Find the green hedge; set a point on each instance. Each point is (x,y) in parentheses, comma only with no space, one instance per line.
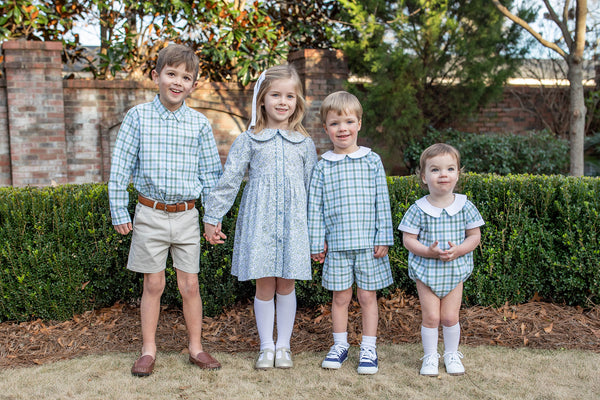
(60,256)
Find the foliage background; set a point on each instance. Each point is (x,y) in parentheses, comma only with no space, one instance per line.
(60,256)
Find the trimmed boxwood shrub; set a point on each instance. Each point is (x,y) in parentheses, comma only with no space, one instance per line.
(60,256)
(531,153)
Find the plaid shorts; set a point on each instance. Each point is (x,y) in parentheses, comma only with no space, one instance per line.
(342,268)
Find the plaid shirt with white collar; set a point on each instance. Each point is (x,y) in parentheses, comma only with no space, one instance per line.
(172,157)
(348,203)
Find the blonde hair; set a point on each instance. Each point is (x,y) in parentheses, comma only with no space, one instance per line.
(342,103)
(175,54)
(434,151)
(280,72)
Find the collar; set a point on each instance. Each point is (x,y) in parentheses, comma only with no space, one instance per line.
(331,156)
(459,202)
(268,134)
(164,113)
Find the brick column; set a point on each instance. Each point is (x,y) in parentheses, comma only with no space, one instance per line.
(323,72)
(36,126)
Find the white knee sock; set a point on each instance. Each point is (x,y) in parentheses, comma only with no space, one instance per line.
(451,338)
(286,315)
(264,312)
(429,336)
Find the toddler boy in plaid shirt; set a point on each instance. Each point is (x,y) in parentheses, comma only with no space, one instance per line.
(350,227)
(170,151)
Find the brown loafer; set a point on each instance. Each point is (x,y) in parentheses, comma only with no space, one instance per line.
(143,366)
(205,361)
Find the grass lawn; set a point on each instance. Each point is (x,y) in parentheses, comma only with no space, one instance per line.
(492,373)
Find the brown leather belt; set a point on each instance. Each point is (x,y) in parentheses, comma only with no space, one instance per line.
(176,207)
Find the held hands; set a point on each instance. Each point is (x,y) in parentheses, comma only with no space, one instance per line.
(213,234)
(320,257)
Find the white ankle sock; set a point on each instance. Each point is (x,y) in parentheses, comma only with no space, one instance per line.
(341,338)
(369,341)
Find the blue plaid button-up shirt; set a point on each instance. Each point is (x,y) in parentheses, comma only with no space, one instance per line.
(172,157)
(348,203)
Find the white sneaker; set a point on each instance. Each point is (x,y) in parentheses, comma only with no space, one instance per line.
(453,364)
(430,364)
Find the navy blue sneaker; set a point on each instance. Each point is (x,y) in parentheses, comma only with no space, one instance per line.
(367,364)
(336,356)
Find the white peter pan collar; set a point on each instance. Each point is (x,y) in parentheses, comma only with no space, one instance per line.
(459,202)
(331,156)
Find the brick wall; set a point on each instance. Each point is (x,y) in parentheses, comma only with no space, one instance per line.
(63,131)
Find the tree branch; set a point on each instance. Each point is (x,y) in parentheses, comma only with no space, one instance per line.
(561,24)
(580,30)
(528,28)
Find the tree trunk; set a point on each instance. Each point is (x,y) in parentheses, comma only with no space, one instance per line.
(577,112)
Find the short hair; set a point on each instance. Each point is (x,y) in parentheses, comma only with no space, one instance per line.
(436,150)
(341,103)
(175,54)
(275,73)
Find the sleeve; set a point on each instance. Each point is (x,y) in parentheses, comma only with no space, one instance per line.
(474,218)
(309,162)
(411,221)
(384,234)
(209,163)
(222,196)
(123,163)
(316,218)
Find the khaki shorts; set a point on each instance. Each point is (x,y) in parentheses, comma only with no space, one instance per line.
(156,232)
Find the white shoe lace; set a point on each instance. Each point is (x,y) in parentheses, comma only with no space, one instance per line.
(336,351)
(453,358)
(367,354)
(430,360)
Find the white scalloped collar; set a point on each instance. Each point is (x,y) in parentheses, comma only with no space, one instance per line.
(331,156)
(459,202)
(267,134)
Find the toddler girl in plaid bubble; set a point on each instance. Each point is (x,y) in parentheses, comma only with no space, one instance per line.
(440,231)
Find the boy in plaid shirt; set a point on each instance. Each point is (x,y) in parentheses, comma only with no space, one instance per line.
(350,227)
(169,150)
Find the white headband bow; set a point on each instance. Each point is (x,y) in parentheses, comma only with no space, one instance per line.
(260,80)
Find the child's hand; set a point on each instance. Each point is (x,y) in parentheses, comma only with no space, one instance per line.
(435,251)
(320,257)
(380,251)
(213,234)
(124,229)
(451,253)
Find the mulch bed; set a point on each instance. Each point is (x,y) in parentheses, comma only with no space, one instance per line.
(117,329)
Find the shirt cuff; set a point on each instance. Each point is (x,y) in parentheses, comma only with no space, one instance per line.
(408,229)
(211,220)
